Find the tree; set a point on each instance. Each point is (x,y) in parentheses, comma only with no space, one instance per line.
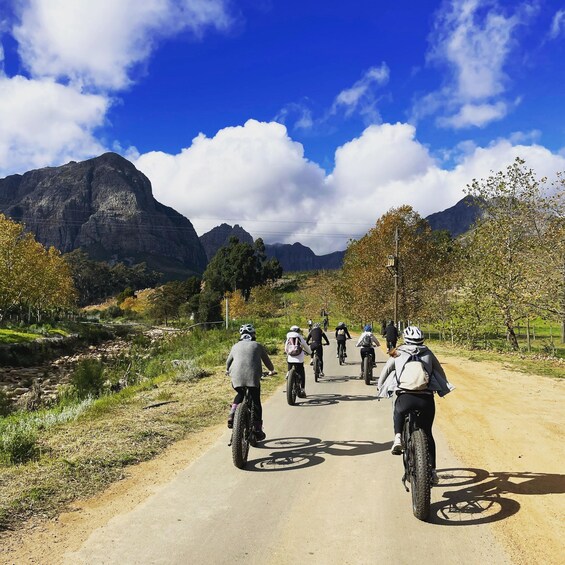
(504,245)
(240,266)
(366,287)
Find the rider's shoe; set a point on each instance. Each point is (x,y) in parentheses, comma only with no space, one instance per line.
(321,374)
(260,435)
(301,393)
(231,416)
(434,478)
(311,362)
(397,445)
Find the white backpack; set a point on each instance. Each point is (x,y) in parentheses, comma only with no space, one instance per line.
(414,375)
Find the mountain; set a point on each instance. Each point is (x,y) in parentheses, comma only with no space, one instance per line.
(458,219)
(295,257)
(298,257)
(106,207)
(220,235)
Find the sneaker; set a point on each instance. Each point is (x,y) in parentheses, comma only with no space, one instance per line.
(397,445)
(260,435)
(230,421)
(321,374)
(301,393)
(312,363)
(434,478)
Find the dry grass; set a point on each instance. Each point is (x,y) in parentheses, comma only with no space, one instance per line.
(81,458)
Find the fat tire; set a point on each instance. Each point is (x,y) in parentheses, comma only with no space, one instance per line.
(367,373)
(340,354)
(420,474)
(291,387)
(241,431)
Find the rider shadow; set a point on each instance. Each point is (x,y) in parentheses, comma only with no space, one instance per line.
(302,452)
(329,399)
(481,499)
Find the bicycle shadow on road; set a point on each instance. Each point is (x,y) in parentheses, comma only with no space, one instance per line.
(330,399)
(301,452)
(481,499)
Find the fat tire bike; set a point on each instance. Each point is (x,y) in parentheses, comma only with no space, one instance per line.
(341,352)
(367,369)
(243,433)
(292,386)
(317,364)
(417,465)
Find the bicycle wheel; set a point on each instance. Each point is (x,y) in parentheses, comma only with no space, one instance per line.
(367,369)
(291,386)
(420,476)
(316,368)
(340,354)
(241,430)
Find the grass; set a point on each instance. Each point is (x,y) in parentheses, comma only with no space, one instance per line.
(79,449)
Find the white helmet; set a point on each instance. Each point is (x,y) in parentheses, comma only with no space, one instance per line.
(294,329)
(247,329)
(413,335)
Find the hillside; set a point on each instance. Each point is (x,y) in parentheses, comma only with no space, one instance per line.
(106,207)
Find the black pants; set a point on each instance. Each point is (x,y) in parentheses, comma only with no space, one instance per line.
(426,405)
(391,343)
(367,351)
(342,342)
(299,368)
(255,393)
(320,351)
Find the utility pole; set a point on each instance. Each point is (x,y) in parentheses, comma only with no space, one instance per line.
(393,266)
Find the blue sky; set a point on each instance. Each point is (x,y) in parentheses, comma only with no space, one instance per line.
(301,121)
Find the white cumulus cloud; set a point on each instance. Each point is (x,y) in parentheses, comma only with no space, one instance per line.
(99,43)
(43,122)
(257,176)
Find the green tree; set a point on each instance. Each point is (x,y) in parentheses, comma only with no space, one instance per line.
(504,245)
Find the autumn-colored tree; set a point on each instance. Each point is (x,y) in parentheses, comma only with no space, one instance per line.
(366,287)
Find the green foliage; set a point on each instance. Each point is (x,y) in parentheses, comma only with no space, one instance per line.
(88,378)
(18,444)
(240,266)
(5,404)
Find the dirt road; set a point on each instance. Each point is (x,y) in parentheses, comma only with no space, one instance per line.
(325,489)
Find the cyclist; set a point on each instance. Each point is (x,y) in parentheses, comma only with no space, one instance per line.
(341,335)
(295,346)
(391,334)
(366,342)
(243,365)
(406,400)
(314,340)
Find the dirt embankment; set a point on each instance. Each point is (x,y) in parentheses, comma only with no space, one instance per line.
(506,425)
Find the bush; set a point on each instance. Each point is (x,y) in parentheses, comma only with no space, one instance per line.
(88,378)
(5,404)
(18,445)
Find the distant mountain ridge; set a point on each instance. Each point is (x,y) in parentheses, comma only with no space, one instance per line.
(106,207)
(292,257)
(457,219)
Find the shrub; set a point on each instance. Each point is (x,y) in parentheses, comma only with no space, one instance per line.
(5,404)
(18,444)
(88,378)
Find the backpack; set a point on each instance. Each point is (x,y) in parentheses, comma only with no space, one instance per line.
(414,375)
(366,341)
(341,332)
(293,346)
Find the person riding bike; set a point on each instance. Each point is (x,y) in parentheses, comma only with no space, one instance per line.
(243,365)
(422,399)
(391,334)
(366,342)
(314,340)
(341,335)
(295,346)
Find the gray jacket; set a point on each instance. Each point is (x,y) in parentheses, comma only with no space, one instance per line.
(244,363)
(388,383)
